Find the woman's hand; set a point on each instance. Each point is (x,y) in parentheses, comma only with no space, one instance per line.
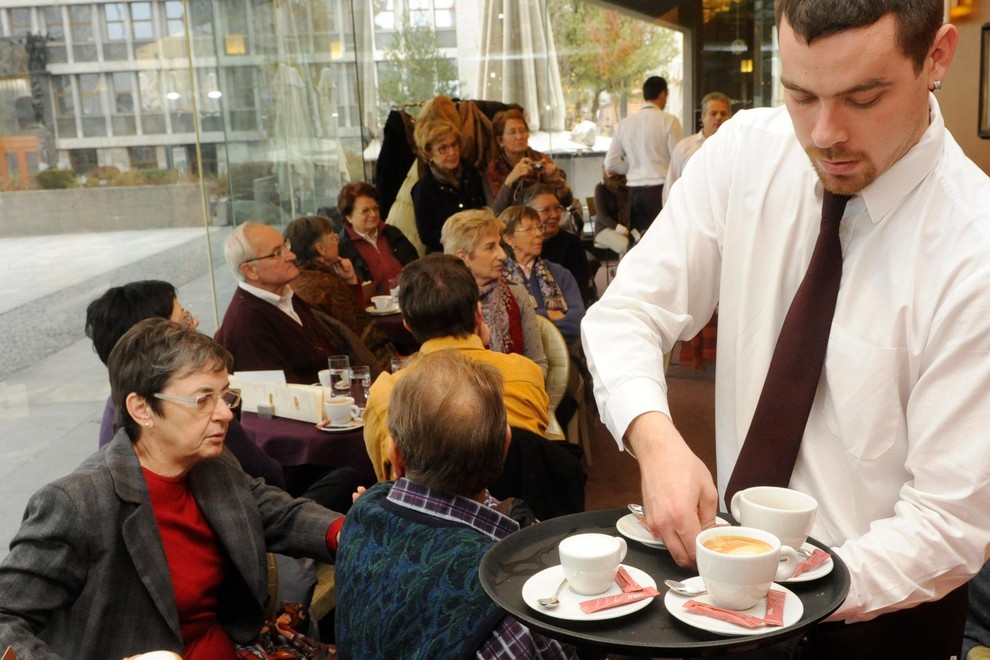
(522,169)
(361,490)
(344,269)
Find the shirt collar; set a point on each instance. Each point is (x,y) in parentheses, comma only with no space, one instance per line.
(481,517)
(451,342)
(268,296)
(888,191)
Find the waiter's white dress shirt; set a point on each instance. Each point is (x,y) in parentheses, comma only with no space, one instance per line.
(897,446)
(642,144)
(679,158)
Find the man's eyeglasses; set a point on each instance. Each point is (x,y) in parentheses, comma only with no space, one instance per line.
(204,403)
(550,210)
(278,253)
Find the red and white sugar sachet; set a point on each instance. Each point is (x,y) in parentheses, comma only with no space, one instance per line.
(817,558)
(631,592)
(774,615)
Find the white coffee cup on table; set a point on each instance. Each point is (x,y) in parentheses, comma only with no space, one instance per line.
(341,410)
(590,561)
(787,514)
(383,303)
(738,564)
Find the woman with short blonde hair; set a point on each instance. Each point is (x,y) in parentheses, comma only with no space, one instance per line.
(474,237)
(449,185)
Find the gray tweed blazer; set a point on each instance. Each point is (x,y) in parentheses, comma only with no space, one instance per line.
(86,576)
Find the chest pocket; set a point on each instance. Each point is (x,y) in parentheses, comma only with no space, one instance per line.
(862,403)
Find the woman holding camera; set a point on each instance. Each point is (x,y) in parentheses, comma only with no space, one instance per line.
(517,166)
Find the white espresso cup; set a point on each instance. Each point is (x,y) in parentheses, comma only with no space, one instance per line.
(341,410)
(383,303)
(787,514)
(590,561)
(738,564)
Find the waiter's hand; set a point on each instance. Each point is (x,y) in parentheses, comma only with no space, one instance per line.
(679,494)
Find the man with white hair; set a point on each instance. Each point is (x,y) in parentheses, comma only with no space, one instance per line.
(266,326)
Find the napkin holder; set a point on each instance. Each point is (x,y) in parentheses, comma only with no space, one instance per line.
(300,402)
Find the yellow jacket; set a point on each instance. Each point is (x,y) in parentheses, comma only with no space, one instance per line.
(527,405)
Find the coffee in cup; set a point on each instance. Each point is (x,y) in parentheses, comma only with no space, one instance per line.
(341,410)
(738,564)
(787,514)
(590,561)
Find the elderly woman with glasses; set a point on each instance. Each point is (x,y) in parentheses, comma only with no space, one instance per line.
(158,541)
(516,165)
(553,289)
(474,237)
(449,185)
(377,250)
(560,246)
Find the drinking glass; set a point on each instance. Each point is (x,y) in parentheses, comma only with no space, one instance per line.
(393,287)
(340,375)
(360,384)
(397,362)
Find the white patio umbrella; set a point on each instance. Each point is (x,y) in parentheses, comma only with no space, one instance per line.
(519,61)
(294,135)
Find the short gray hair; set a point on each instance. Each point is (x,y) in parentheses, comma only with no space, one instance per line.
(463,230)
(238,249)
(447,418)
(715,96)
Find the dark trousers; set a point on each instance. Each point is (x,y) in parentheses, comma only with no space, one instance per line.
(645,203)
(930,631)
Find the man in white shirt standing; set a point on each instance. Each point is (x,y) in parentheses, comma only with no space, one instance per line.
(641,149)
(894,448)
(716,108)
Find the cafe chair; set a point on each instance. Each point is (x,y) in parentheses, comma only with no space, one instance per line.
(324,597)
(563,378)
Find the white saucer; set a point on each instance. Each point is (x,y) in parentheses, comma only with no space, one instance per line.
(374,311)
(819,571)
(793,609)
(630,527)
(546,581)
(350,426)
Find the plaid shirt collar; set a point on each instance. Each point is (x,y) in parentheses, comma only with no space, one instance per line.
(482,517)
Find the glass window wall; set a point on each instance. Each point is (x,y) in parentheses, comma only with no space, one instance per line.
(157,132)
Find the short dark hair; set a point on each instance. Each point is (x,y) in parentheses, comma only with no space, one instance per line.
(917,21)
(116,311)
(304,233)
(530,193)
(438,297)
(349,194)
(149,356)
(654,87)
(447,418)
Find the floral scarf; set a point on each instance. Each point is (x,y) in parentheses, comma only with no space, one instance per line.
(501,314)
(553,297)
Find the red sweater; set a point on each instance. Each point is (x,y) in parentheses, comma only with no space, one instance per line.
(196,565)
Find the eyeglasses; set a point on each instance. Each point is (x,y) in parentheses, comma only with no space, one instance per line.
(278,253)
(445,148)
(550,210)
(536,230)
(204,403)
(516,131)
(374,210)
(333,238)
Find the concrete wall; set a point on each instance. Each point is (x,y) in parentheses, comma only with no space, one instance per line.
(41,212)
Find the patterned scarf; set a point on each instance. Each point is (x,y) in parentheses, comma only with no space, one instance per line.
(501,314)
(553,297)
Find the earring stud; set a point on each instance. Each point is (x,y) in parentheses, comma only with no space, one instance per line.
(936,86)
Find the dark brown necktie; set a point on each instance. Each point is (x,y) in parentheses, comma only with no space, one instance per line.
(771,447)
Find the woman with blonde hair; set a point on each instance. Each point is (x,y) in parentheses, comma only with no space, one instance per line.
(449,185)
(474,237)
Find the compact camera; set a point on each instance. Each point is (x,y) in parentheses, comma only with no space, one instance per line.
(538,165)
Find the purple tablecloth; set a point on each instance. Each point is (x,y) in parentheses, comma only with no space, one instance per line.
(300,443)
